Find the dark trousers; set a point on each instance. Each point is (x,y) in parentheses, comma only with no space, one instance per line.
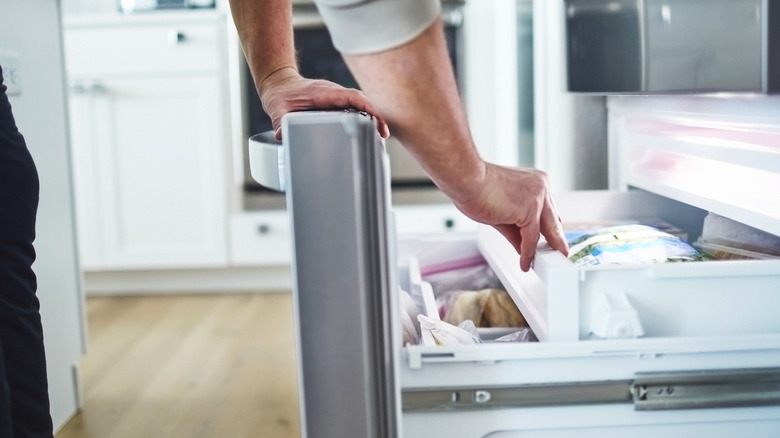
(24,397)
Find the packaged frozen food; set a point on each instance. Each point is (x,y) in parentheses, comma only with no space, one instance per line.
(726,239)
(467,293)
(486,308)
(445,333)
(627,244)
(410,325)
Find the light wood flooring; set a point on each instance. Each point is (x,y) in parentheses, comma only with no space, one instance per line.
(189,366)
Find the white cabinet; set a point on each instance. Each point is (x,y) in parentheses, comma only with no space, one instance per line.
(260,238)
(148,128)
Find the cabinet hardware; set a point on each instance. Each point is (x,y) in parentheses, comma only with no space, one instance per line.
(176,37)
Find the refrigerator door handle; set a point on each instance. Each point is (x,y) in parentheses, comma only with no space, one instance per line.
(266,161)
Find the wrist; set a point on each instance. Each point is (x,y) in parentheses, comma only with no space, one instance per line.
(467,184)
(275,76)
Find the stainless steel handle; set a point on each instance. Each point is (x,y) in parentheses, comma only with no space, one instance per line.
(266,161)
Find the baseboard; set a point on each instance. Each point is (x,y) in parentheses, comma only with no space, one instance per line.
(188,281)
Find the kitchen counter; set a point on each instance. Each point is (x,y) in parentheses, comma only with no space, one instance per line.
(102,19)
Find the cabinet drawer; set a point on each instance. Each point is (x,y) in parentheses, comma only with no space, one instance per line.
(131,50)
(260,238)
(424,219)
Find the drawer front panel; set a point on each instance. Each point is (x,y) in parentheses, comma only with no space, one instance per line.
(135,50)
(261,238)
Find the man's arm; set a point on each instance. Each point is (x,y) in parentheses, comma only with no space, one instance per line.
(266,33)
(413,85)
(414,88)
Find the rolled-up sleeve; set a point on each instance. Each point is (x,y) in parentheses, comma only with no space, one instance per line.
(369,26)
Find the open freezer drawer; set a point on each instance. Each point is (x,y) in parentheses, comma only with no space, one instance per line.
(565,303)
(357,379)
(573,384)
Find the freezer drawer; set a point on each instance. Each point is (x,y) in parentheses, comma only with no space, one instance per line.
(565,303)
(585,386)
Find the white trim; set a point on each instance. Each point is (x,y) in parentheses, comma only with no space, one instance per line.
(186,281)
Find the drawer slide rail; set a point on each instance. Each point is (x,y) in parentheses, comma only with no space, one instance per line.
(647,391)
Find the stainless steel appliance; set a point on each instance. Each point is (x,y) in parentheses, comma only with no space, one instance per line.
(706,361)
(650,46)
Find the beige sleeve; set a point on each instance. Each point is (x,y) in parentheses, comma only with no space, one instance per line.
(370,26)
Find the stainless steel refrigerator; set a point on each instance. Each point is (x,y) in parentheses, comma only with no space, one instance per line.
(678,349)
(684,349)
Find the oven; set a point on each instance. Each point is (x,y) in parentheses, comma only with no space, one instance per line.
(318,59)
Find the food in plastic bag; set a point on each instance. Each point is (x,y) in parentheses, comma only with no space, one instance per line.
(486,308)
(445,333)
(726,239)
(523,335)
(473,277)
(410,326)
(627,244)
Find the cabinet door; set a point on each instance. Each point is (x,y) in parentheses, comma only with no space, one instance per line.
(159,183)
(85,183)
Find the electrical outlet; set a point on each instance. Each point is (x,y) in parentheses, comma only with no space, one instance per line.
(11,73)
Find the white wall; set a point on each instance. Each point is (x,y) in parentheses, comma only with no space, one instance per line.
(570,129)
(31,29)
(490,78)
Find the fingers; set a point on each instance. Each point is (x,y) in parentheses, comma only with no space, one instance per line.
(350,98)
(306,94)
(552,229)
(525,237)
(523,240)
(529,236)
(359,100)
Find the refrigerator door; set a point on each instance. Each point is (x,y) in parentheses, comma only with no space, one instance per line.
(335,177)
(357,379)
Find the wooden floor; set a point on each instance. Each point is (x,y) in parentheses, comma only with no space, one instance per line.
(189,366)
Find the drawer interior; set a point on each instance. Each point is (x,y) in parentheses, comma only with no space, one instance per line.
(562,302)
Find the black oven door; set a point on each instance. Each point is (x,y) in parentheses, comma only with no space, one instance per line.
(318,59)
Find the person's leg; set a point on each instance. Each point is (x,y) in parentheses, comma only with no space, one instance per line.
(5,400)
(21,334)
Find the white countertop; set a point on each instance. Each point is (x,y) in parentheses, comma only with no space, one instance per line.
(102,19)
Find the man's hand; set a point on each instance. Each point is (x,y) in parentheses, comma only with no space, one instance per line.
(286,91)
(517,203)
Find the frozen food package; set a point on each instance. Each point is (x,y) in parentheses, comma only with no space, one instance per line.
(476,275)
(445,333)
(574,229)
(627,244)
(410,326)
(726,239)
(486,308)
(522,335)
(467,293)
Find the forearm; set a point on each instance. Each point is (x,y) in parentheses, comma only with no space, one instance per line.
(266,34)
(414,88)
